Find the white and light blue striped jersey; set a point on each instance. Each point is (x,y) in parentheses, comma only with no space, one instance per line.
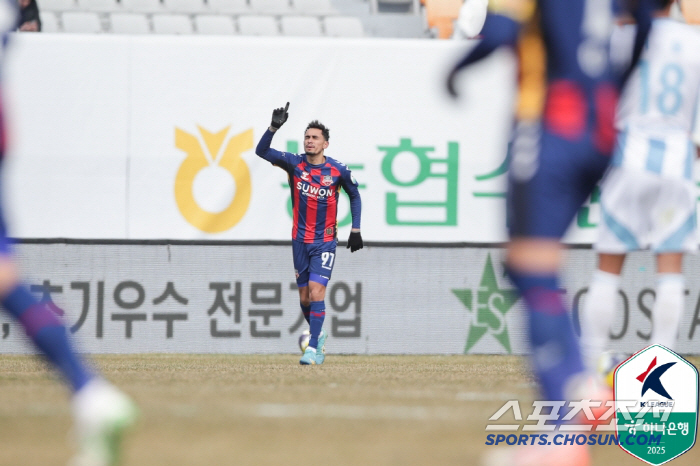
(657,114)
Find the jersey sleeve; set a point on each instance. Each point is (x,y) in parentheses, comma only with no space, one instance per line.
(349,184)
(498,30)
(285,160)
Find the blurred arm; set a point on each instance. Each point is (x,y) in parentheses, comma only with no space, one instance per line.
(498,31)
(641,11)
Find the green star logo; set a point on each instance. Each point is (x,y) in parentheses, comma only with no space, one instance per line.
(492,305)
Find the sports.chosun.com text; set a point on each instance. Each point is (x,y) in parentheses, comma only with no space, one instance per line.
(571,439)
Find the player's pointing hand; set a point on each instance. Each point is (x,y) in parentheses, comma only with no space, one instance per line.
(279,116)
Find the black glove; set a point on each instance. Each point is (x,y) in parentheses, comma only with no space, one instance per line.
(279,116)
(355,241)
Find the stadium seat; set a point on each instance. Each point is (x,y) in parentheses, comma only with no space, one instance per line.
(49,21)
(270,7)
(228,6)
(142,6)
(257,25)
(359,8)
(343,26)
(396,6)
(172,24)
(81,21)
(97,5)
(441,15)
(129,23)
(313,7)
(184,6)
(57,5)
(396,25)
(214,24)
(301,26)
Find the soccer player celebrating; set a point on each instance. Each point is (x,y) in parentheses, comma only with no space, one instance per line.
(315,181)
(649,196)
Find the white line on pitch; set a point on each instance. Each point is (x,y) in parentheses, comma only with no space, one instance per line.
(409,413)
(481,396)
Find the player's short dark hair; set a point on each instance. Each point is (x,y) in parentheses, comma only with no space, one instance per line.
(318,125)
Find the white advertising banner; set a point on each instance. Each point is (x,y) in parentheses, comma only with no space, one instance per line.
(153,137)
(381,300)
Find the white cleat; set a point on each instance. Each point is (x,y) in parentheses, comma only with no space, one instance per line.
(101,414)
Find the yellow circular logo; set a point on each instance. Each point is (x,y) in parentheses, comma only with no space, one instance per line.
(229,159)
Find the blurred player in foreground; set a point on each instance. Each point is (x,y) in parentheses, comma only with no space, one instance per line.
(561,147)
(101,412)
(649,195)
(315,181)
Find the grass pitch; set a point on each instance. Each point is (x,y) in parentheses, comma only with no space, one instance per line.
(268,410)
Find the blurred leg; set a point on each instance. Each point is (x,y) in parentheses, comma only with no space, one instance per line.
(42,326)
(598,311)
(670,302)
(532,266)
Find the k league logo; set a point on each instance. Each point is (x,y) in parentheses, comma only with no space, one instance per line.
(651,378)
(661,389)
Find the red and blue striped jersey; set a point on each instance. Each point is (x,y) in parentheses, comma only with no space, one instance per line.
(315,191)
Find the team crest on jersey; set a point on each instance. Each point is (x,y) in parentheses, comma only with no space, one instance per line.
(305,176)
(327,180)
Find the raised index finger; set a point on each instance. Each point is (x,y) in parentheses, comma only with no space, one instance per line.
(286,107)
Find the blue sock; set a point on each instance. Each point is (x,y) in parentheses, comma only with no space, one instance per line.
(306,310)
(48,334)
(556,356)
(317,315)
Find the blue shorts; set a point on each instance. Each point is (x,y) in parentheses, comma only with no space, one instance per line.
(313,261)
(546,190)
